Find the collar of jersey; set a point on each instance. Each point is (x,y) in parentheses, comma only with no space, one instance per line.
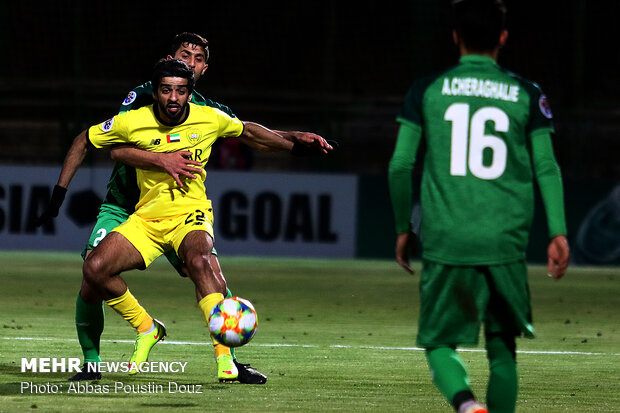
(476,58)
(160,120)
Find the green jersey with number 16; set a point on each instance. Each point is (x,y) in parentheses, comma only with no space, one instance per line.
(477,188)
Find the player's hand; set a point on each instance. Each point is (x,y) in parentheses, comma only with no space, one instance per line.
(558,254)
(177,164)
(405,248)
(306,144)
(52,208)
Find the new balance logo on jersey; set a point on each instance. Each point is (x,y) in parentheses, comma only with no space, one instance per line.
(155,141)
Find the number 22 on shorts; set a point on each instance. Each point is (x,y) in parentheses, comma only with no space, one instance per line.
(196,218)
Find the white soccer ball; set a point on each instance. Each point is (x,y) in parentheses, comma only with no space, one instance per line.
(233,321)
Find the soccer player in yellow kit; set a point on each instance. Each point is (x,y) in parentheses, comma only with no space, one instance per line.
(168,216)
(122,196)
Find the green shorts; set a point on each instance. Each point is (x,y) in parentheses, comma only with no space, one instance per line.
(456,300)
(111,216)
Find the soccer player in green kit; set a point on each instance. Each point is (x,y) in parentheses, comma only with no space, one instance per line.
(122,196)
(488,135)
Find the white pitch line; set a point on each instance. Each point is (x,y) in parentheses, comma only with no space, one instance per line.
(190,343)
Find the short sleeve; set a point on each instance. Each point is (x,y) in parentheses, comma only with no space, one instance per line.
(109,132)
(228,126)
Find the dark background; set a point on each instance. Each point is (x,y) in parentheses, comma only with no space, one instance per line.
(339,69)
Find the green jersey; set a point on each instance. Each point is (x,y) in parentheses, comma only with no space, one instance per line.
(123,190)
(479,123)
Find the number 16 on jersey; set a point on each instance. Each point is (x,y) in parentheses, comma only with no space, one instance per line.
(468,141)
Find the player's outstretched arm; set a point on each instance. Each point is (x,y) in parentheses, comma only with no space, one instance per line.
(558,254)
(303,143)
(175,164)
(257,146)
(72,162)
(307,143)
(256,134)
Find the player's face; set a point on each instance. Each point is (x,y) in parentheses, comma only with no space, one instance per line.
(172,97)
(194,56)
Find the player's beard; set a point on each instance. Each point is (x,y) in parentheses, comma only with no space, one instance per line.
(172,116)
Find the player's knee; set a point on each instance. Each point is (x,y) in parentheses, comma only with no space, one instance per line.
(198,264)
(202,272)
(92,270)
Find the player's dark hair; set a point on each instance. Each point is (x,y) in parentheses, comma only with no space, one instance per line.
(479,23)
(191,38)
(172,68)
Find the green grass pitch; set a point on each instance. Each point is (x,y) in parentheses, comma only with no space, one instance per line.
(334,335)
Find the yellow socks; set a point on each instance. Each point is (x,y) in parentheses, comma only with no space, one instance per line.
(206,305)
(129,308)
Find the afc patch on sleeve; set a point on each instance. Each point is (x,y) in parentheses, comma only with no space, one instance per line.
(545,109)
(107,125)
(131,97)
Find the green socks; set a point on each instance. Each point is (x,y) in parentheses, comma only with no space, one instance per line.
(89,325)
(450,375)
(503,380)
(448,371)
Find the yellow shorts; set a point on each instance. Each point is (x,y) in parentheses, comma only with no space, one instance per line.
(154,237)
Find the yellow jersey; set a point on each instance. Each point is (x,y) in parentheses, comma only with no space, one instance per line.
(160,196)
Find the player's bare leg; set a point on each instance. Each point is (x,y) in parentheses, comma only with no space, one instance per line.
(112,256)
(195,251)
(103,265)
(89,293)
(247,374)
